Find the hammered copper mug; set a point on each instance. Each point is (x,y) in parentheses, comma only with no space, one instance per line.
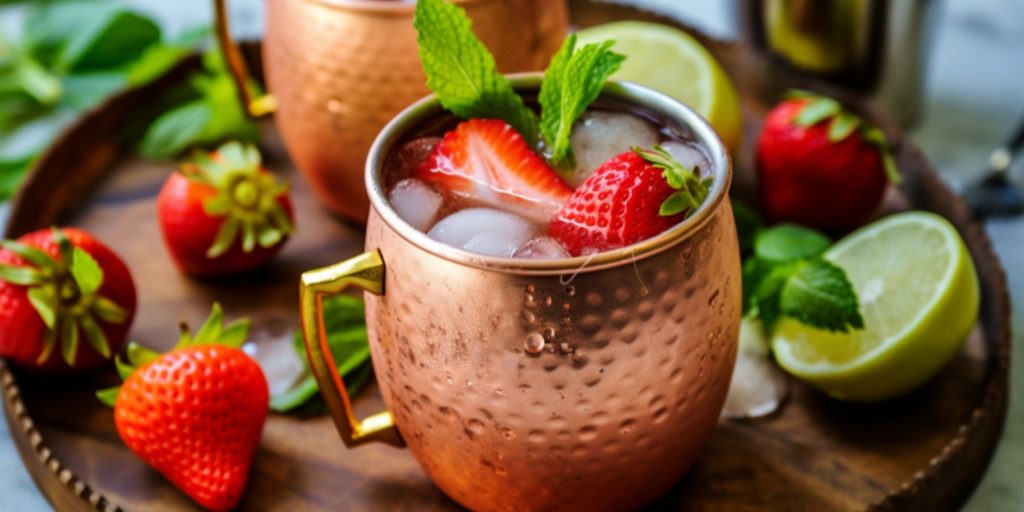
(588,383)
(339,70)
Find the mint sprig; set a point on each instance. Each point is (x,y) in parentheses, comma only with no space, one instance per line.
(572,81)
(787,276)
(462,72)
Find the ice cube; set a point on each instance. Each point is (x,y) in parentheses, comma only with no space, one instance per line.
(483,230)
(598,136)
(688,154)
(271,345)
(541,248)
(758,386)
(416,202)
(408,157)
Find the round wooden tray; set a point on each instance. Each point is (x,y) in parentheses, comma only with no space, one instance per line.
(924,451)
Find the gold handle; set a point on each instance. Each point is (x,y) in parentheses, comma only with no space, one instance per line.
(255,107)
(367,272)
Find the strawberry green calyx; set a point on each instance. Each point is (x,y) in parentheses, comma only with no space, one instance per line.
(212,332)
(691,190)
(842,124)
(64,291)
(247,198)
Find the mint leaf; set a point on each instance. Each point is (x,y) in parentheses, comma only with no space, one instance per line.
(748,225)
(572,81)
(345,324)
(788,242)
(87,273)
(108,42)
(462,72)
(819,294)
(767,293)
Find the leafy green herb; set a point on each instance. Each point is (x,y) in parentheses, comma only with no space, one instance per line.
(748,224)
(787,276)
(205,112)
(70,56)
(691,190)
(572,81)
(462,72)
(345,324)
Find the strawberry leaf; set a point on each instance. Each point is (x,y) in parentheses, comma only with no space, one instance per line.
(109,395)
(225,237)
(33,255)
(86,272)
(64,247)
(816,110)
(44,301)
(209,332)
(69,339)
(692,190)
(107,311)
(236,333)
(842,126)
(124,370)
(139,355)
(94,336)
(49,342)
(21,276)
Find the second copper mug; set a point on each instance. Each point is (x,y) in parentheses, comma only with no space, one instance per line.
(588,383)
(339,70)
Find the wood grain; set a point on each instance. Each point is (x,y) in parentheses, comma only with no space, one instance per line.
(924,451)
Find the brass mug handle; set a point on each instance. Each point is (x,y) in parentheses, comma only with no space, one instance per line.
(255,107)
(365,271)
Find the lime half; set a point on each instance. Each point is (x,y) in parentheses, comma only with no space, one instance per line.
(918,294)
(671,61)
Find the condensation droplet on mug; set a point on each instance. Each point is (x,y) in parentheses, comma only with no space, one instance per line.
(570,290)
(534,343)
(548,333)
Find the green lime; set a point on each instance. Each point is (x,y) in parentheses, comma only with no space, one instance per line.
(918,294)
(671,61)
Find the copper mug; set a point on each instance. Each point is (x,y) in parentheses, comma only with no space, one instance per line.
(588,383)
(339,70)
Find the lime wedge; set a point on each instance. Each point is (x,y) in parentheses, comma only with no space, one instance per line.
(670,61)
(918,294)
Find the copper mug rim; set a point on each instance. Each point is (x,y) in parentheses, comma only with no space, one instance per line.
(663,104)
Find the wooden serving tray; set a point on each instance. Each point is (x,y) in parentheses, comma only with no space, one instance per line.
(925,451)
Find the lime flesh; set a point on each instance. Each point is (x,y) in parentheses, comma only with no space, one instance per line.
(669,60)
(918,294)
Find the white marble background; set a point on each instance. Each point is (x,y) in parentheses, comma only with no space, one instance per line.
(974,97)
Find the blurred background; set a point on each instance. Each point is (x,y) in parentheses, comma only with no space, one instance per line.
(972,99)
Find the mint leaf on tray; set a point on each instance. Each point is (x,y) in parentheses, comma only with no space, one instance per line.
(345,324)
(787,276)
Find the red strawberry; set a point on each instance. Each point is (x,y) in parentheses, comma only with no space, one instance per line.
(195,414)
(821,166)
(487,161)
(66,300)
(632,197)
(225,213)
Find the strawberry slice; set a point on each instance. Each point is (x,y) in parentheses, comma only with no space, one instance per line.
(631,197)
(487,161)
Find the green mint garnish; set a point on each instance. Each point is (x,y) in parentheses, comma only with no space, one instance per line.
(842,124)
(787,276)
(691,190)
(462,72)
(573,80)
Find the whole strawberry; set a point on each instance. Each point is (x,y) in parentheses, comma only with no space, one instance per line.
(66,300)
(820,165)
(196,413)
(632,197)
(224,213)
